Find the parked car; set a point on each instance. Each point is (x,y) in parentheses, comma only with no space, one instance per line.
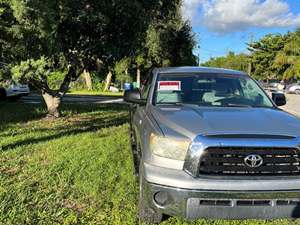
(272,87)
(210,143)
(294,88)
(17,90)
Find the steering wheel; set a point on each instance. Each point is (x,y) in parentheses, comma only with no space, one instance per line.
(235,100)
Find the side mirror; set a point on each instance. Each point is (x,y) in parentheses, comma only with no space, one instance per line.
(134,96)
(279,98)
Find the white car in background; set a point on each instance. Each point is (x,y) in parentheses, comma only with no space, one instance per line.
(294,88)
(17,90)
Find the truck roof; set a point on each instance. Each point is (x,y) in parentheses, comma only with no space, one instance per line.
(195,69)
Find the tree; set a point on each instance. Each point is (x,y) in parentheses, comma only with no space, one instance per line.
(140,60)
(274,56)
(7,20)
(171,44)
(4,73)
(74,34)
(121,70)
(231,61)
(288,59)
(38,72)
(263,54)
(108,80)
(169,40)
(88,79)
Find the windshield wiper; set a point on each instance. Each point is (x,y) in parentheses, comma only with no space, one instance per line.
(169,103)
(238,105)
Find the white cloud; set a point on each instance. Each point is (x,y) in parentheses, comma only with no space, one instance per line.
(191,8)
(225,16)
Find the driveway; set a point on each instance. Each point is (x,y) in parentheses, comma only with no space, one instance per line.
(293,104)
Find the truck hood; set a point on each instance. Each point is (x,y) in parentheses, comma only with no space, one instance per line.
(190,121)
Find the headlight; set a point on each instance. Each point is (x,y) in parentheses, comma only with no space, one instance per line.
(168,147)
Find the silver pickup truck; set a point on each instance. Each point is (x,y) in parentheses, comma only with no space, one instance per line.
(210,143)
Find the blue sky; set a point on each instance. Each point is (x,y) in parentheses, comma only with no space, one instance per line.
(227,25)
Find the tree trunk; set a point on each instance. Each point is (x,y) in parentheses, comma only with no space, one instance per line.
(52,103)
(53,98)
(249,68)
(123,80)
(108,81)
(88,80)
(138,76)
(99,65)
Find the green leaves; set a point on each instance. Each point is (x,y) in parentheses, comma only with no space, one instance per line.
(274,56)
(231,61)
(171,43)
(121,70)
(264,54)
(289,57)
(31,69)
(277,56)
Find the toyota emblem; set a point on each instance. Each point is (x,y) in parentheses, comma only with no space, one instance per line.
(253,161)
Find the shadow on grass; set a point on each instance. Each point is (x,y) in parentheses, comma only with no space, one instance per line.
(90,118)
(18,112)
(88,127)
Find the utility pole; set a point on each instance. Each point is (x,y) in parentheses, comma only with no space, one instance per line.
(250,63)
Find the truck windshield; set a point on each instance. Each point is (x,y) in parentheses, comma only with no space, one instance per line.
(215,90)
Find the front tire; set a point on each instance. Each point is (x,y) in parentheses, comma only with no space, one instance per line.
(136,153)
(146,214)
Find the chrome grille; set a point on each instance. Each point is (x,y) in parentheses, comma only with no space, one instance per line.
(230,161)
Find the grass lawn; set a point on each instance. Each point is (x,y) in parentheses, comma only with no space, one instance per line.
(75,170)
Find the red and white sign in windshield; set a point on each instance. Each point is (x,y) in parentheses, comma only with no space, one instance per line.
(169,86)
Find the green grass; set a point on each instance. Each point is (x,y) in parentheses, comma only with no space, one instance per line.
(95,93)
(75,170)
(70,171)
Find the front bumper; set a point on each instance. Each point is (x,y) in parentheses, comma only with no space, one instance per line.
(194,204)
(220,202)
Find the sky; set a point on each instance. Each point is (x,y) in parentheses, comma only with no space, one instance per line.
(227,25)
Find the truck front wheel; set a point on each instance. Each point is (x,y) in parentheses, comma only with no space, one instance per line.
(136,153)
